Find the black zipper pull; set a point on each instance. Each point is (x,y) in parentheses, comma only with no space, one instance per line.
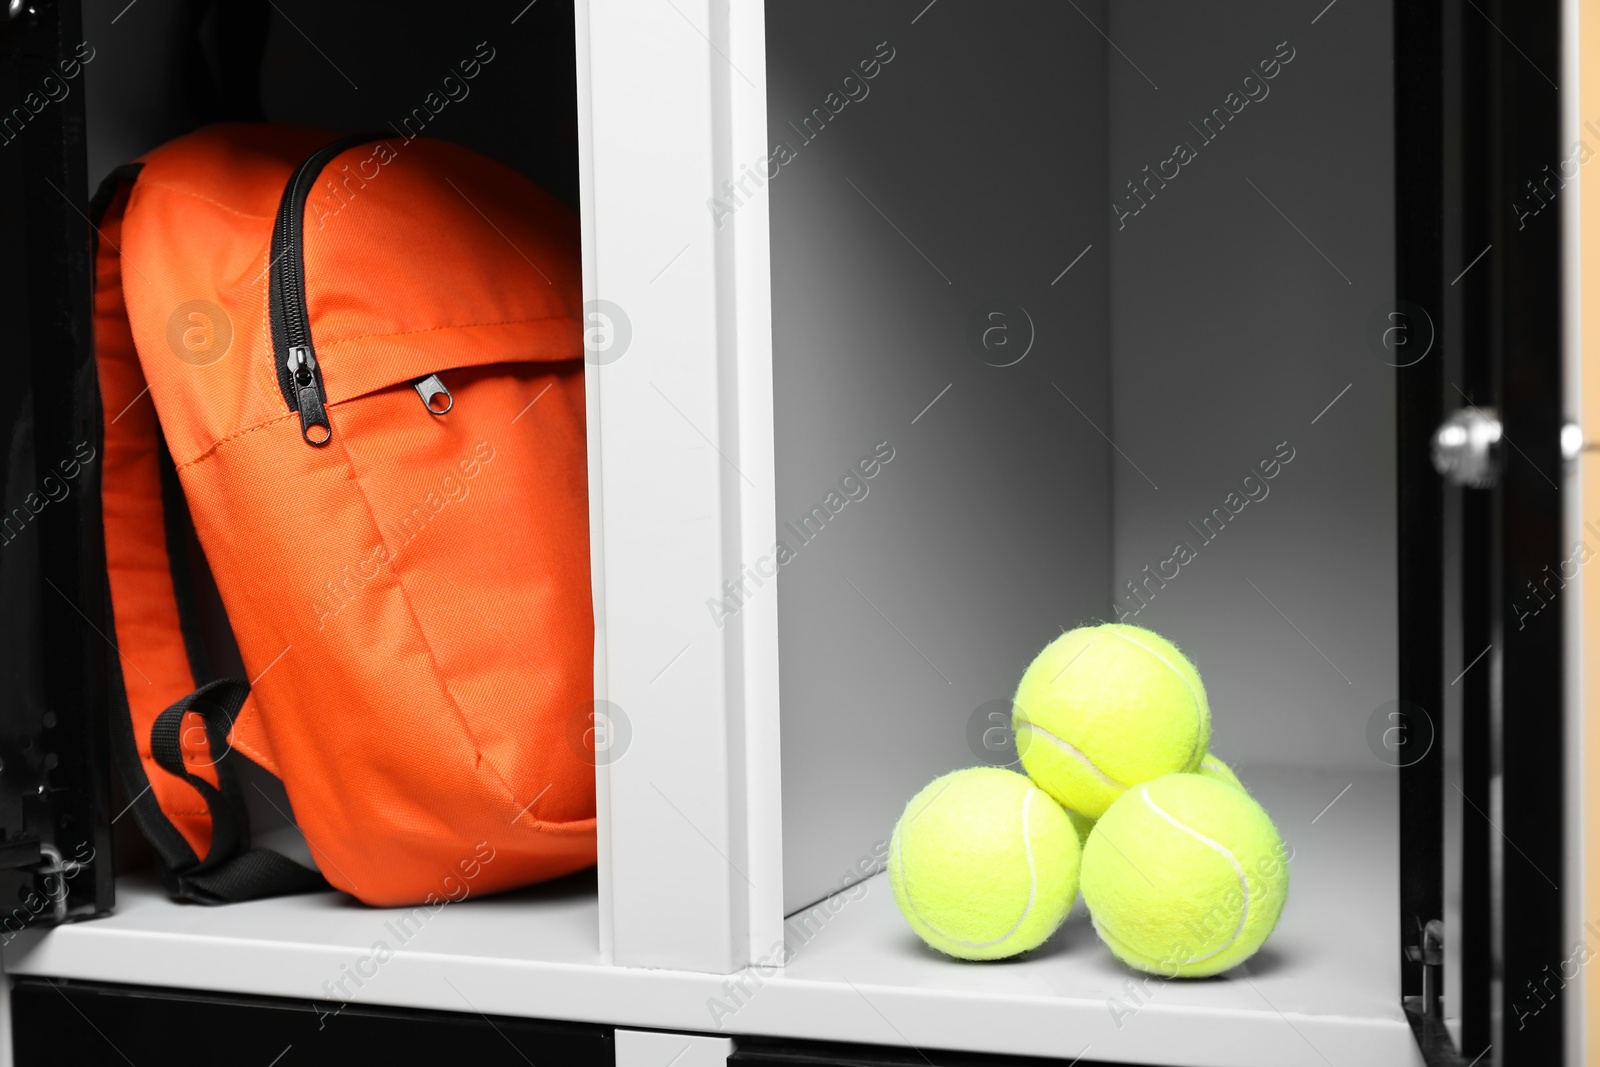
(314,426)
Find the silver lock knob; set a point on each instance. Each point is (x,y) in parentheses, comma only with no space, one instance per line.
(1572,441)
(1464,447)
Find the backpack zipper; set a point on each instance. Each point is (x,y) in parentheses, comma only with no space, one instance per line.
(294,360)
(293,355)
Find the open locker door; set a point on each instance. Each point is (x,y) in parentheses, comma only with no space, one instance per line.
(55,854)
(1483,486)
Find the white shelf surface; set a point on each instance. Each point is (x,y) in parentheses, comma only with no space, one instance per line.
(1323,991)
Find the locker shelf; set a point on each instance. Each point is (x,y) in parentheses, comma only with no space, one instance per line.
(1323,991)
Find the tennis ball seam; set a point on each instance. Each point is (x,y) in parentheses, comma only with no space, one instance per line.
(1033,880)
(1117,945)
(1195,697)
(1238,869)
(1077,753)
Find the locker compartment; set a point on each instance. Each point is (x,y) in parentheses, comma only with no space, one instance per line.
(500,83)
(1064,301)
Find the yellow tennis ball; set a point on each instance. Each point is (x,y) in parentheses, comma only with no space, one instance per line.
(1212,767)
(1104,708)
(1185,876)
(983,865)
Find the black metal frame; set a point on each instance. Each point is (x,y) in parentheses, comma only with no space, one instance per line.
(1522,324)
(1472,93)
(1419,270)
(54,789)
(786,1052)
(179,1028)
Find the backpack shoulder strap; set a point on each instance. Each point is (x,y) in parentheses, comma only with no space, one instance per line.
(170,738)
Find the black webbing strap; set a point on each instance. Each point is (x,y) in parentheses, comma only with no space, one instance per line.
(179,530)
(252,875)
(231,871)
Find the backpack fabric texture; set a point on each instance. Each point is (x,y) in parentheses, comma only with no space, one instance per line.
(356,368)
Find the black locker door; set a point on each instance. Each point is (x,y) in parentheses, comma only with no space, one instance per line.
(55,854)
(1479,213)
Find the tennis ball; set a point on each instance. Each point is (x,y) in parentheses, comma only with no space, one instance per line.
(1185,876)
(1212,767)
(983,865)
(1104,708)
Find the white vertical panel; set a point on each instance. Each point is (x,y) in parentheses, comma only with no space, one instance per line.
(748,240)
(602,782)
(647,1048)
(678,466)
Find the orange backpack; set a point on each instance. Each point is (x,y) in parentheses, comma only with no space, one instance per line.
(366,362)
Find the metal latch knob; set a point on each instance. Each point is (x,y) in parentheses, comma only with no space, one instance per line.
(1465,447)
